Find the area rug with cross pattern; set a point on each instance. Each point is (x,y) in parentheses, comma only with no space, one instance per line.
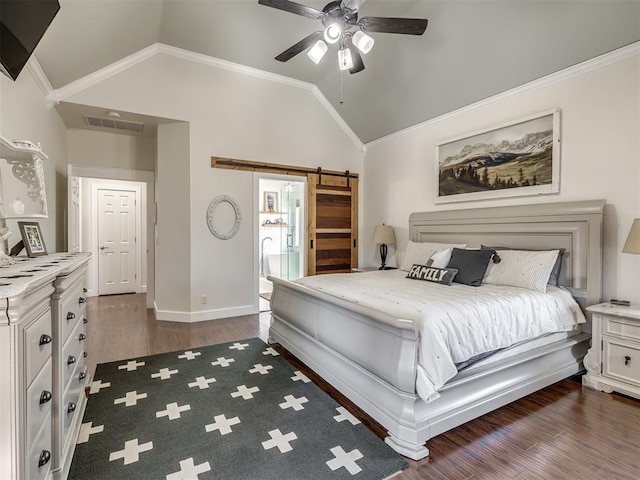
(229,411)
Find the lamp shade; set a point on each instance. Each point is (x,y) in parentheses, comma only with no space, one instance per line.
(384,234)
(632,245)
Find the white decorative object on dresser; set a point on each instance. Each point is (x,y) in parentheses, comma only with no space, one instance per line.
(613,361)
(36,433)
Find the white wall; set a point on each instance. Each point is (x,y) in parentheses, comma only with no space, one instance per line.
(24,115)
(230,114)
(103,149)
(600,158)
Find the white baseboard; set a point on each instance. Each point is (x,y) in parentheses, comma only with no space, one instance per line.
(203,315)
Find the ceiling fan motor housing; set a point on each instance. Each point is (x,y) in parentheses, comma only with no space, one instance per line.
(335,14)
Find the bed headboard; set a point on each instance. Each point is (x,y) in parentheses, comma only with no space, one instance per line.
(574,226)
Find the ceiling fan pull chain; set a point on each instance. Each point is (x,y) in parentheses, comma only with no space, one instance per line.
(341,87)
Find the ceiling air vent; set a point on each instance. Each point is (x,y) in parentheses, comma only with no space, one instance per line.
(117,124)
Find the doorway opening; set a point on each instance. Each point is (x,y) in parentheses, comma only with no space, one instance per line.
(281,231)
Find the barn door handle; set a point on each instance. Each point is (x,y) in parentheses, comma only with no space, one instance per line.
(311,245)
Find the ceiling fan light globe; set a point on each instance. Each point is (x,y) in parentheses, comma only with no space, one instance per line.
(332,33)
(345,60)
(316,52)
(363,42)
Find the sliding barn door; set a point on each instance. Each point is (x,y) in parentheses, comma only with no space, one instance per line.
(332,224)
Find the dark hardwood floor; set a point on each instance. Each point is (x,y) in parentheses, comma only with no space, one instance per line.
(565,431)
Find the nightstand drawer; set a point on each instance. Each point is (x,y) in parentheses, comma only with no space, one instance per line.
(621,327)
(621,360)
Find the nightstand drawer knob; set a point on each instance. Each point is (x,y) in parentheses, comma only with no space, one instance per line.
(82,300)
(44,339)
(82,376)
(85,320)
(71,316)
(81,337)
(71,360)
(71,407)
(627,360)
(45,397)
(45,456)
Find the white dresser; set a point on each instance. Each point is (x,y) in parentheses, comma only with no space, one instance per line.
(42,365)
(613,361)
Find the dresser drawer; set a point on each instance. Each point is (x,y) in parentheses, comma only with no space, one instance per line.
(621,327)
(71,354)
(70,405)
(39,400)
(37,343)
(621,360)
(40,456)
(72,308)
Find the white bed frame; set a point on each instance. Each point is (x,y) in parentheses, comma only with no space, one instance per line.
(370,356)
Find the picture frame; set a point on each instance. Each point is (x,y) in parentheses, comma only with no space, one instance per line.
(270,202)
(32,238)
(518,158)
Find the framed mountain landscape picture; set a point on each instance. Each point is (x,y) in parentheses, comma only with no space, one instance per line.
(519,158)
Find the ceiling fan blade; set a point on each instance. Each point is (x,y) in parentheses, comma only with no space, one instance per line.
(358,64)
(406,26)
(351,6)
(293,7)
(301,46)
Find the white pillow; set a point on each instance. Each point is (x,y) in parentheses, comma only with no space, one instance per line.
(420,252)
(522,268)
(440,259)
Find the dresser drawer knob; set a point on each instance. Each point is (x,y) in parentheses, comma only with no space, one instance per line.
(85,320)
(82,300)
(45,456)
(45,397)
(71,315)
(84,354)
(81,337)
(44,339)
(82,376)
(71,407)
(627,360)
(84,290)
(71,360)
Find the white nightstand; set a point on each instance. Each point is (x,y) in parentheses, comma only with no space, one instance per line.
(613,361)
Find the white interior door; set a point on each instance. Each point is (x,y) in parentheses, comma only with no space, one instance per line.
(116,241)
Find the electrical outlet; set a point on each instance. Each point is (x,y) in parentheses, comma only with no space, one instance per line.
(203,299)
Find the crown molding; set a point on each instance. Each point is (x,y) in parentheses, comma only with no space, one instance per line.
(39,76)
(595,63)
(58,95)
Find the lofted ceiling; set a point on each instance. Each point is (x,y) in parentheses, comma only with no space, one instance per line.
(471,50)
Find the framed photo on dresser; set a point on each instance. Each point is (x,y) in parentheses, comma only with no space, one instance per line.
(32,238)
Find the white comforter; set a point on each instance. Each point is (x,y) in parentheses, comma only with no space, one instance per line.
(455,322)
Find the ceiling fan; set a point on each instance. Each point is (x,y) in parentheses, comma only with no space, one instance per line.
(340,19)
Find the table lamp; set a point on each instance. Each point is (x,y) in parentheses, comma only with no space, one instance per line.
(383,234)
(632,245)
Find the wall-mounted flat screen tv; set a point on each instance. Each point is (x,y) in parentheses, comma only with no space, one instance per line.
(22,25)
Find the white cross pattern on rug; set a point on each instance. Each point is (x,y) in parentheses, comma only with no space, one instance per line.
(345,415)
(164,373)
(189,355)
(346,460)
(261,369)
(271,351)
(189,471)
(222,423)
(173,411)
(245,392)
(293,402)
(202,382)
(98,385)
(238,346)
(223,362)
(300,376)
(130,366)
(86,430)
(279,440)
(130,399)
(131,452)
